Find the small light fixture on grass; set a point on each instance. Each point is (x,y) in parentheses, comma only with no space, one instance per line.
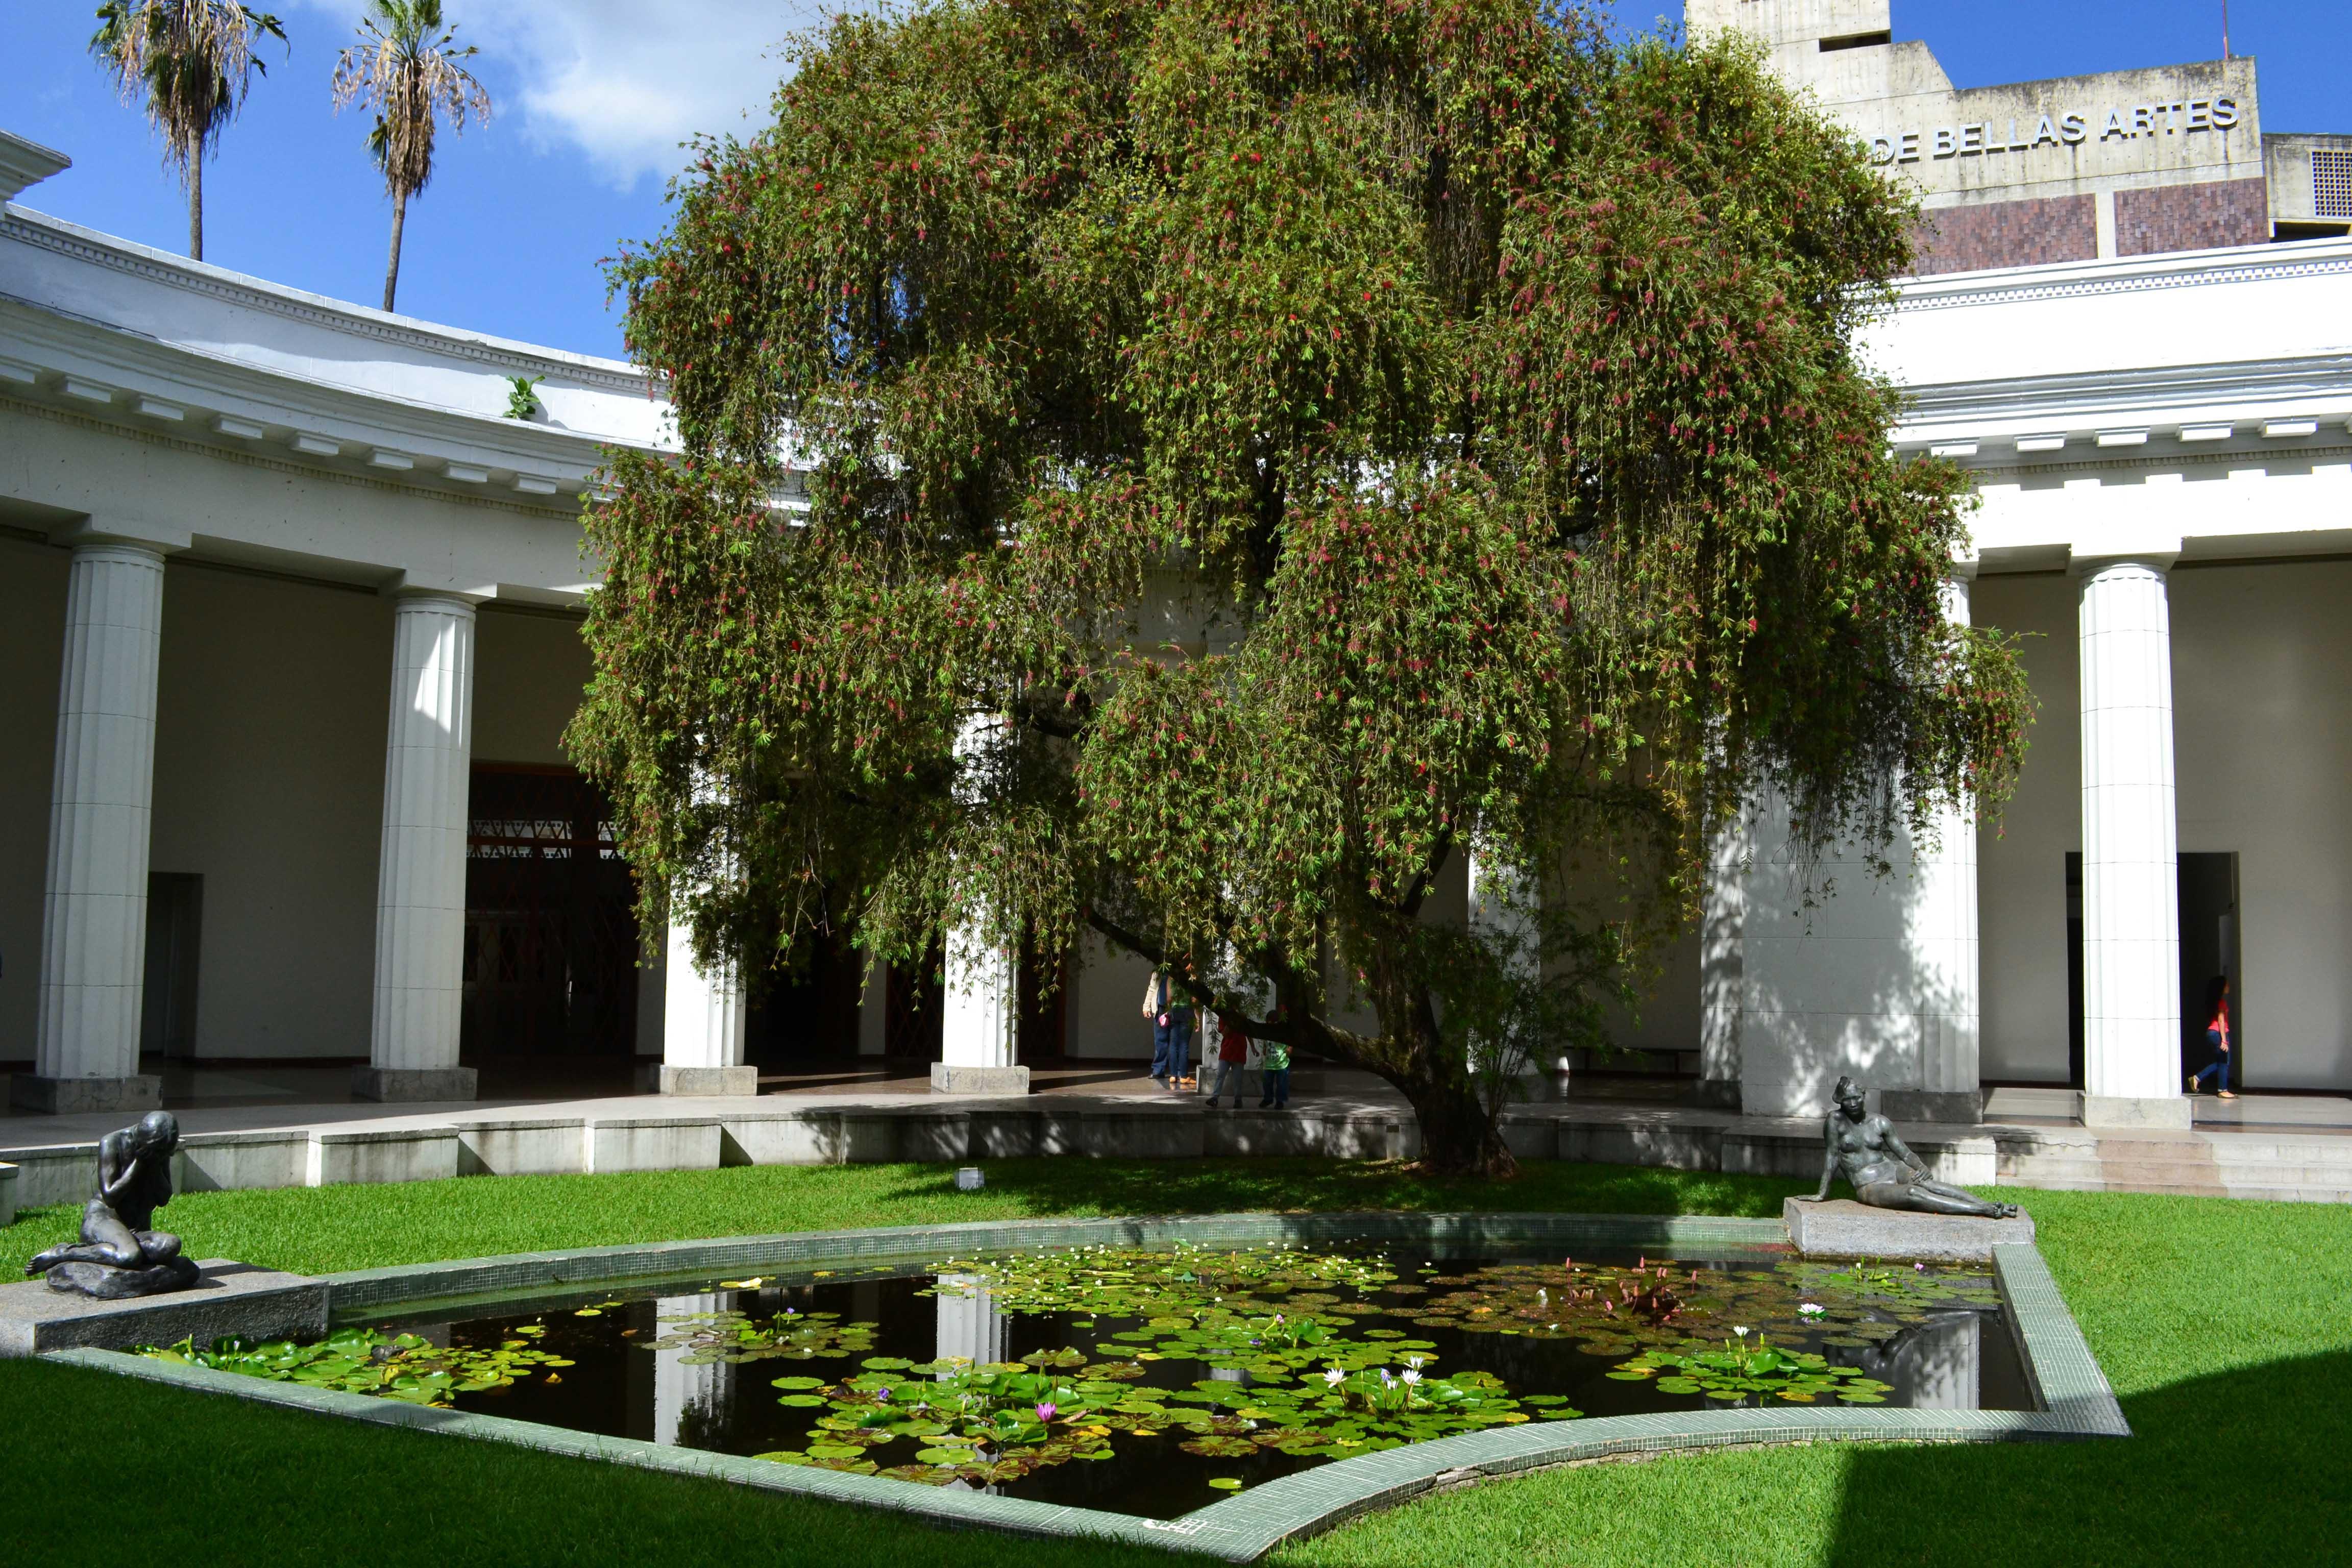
(970,1180)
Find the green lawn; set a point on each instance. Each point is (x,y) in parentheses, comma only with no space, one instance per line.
(2223,1326)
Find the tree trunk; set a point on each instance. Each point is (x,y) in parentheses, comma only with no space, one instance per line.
(1457,1136)
(196,206)
(392,268)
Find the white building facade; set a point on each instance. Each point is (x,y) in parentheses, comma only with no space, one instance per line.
(291,604)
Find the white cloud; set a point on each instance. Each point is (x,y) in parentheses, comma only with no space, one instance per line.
(626,81)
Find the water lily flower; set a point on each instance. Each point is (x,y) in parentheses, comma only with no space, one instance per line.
(1810,1309)
(1740,1329)
(1919,1268)
(1385,1378)
(1412,1376)
(1413,1361)
(883,1395)
(1045,1411)
(1334,1376)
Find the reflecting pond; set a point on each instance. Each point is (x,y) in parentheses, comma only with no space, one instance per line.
(1153,1382)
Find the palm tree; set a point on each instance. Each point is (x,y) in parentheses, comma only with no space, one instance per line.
(406,68)
(193,61)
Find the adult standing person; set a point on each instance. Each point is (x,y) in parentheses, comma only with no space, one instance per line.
(1233,1055)
(1171,1028)
(2217,1035)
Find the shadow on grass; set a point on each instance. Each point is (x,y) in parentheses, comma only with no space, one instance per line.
(1078,1185)
(2244,1466)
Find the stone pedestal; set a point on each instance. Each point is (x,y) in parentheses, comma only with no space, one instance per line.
(720,1080)
(951,1078)
(2136,1110)
(412,1086)
(7,1195)
(1953,1107)
(255,1304)
(1845,1228)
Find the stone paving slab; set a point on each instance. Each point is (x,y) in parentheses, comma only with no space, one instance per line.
(1845,1228)
(231,1299)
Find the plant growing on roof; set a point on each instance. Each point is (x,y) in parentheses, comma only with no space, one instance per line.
(190,62)
(407,68)
(523,395)
(1322,440)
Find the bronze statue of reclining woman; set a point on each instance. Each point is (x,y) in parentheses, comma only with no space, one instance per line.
(1886,1174)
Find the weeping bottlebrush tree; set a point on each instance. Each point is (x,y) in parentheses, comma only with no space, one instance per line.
(1200,472)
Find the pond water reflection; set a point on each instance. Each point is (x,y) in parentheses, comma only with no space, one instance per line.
(1153,1383)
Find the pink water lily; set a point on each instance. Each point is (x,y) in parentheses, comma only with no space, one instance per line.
(1045,1411)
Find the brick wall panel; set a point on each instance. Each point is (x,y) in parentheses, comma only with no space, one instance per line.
(2006,233)
(2192,218)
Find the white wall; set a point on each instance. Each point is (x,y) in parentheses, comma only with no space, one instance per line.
(270,736)
(2261,675)
(2022,858)
(32,646)
(530,670)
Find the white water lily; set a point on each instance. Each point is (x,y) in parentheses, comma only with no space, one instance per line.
(1810,1309)
(1334,1376)
(1412,1375)
(1740,1330)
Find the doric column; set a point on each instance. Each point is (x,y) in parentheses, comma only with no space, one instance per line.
(702,1024)
(980,1028)
(1941,924)
(420,912)
(1502,910)
(1722,960)
(94,912)
(1878,981)
(2131,915)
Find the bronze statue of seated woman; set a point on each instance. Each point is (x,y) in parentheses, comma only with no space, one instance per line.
(119,1254)
(1886,1174)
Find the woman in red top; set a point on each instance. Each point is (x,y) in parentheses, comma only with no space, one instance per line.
(2217,1035)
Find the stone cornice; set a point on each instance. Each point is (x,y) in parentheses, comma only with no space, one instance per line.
(2019,401)
(567,507)
(90,246)
(2128,275)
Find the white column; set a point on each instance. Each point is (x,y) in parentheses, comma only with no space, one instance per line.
(2131,916)
(1944,948)
(702,1024)
(1877,981)
(978,1031)
(94,912)
(420,912)
(1722,956)
(1502,909)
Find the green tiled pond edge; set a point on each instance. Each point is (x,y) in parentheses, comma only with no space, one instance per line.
(2076,1402)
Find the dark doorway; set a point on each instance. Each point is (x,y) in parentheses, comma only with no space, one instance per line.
(913,1015)
(808,1009)
(550,965)
(1044,1024)
(2208,949)
(175,919)
(2207,891)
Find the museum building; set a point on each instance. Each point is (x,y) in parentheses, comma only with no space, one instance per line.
(290,592)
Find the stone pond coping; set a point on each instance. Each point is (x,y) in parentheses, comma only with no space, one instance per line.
(2075,1400)
(772,1130)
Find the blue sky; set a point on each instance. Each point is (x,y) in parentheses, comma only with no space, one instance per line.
(593,99)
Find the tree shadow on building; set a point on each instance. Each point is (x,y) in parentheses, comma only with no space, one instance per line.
(2244,1466)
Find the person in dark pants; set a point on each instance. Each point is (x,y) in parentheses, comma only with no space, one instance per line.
(1171,1029)
(1276,1095)
(1233,1055)
(2217,1035)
